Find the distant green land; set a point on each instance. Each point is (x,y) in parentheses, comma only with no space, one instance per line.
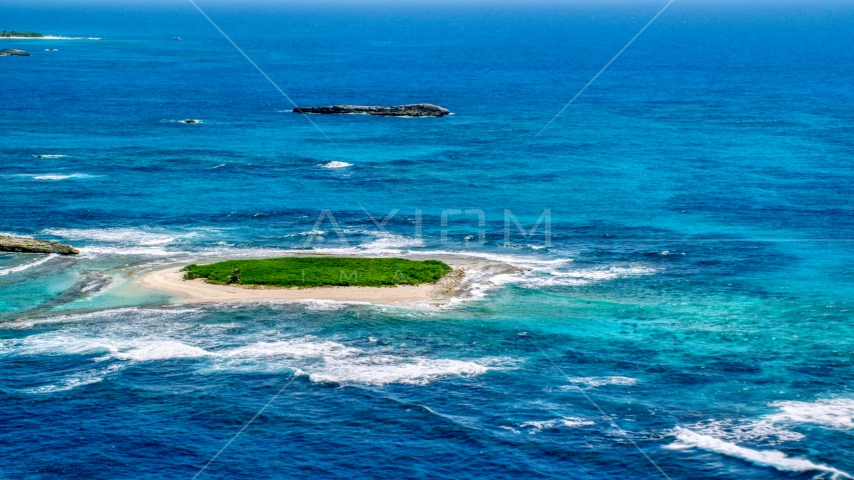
(15,33)
(320,272)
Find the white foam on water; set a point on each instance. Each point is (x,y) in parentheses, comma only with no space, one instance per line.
(151,335)
(108,315)
(835,413)
(78,380)
(132,236)
(533,272)
(327,305)
(139,349)
(59,176)
(27,266)
(60,344)
(124,241)
(328,361)
(383,243)
(519,261)
(774,428)
(308,304)
(766,458)
(300,347)
(745,431)
(49,156)
(310,232)
(336,164)
(569,422)
(601,381)
(162,350)
(385,369)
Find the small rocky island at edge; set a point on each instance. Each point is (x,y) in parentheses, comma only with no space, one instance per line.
(413,110)
(31,245)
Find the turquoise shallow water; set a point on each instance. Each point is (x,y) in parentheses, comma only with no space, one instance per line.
(688,315)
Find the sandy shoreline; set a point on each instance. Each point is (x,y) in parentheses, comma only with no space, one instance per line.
(48,37)
(171,280)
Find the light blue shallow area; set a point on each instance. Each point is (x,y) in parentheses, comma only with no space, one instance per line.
(688,315)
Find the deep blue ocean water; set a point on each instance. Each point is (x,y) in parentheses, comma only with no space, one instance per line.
(688,314)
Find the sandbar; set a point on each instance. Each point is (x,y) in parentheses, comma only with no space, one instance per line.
(171,280)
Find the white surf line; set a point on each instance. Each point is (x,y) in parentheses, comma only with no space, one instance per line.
(21,268)
(605,67)
(276,86)
(608,418)
(245,426)
(765,458)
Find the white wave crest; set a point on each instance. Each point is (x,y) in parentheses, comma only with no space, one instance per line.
(60,344)
(50,155)
(321,360)
(302,347)
(336,164)
(767,458)
(775,427)
(383,243)
(59,176)
(328,361)
(77,380)
(161,350)
(385,369)
(308,233)
(532,271)
(569,422)
(836,413)
(26,266)
(103,315)
(114,235)
(123,241)
(746,431)
(601,381)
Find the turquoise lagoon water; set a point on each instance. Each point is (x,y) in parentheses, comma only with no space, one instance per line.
(688,315)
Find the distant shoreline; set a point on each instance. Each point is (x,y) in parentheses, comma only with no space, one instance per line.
(49,38)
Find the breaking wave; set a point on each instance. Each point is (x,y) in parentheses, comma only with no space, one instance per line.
(835,413)
(327,361)
(322,361)
(601,381)
(767,458)
(336,165)
(27,266)
(535,427)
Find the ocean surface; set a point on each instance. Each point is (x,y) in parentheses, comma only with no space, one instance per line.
(684,310)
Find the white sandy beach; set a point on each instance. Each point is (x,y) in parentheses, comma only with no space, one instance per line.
(197,291)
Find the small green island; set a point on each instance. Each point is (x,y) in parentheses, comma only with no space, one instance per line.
(15,33)
(307,272)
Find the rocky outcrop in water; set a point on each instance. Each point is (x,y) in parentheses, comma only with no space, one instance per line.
(31,245)
(414,110)
(13,51)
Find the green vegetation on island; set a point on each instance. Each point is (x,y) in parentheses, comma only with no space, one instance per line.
(307,272)
(15,33)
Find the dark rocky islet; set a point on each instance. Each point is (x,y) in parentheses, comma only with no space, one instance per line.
(31,245)
(13,52)
(413,110)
